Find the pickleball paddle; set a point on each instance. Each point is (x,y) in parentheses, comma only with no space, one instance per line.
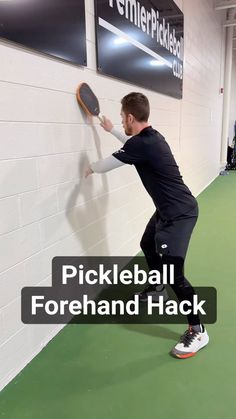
(88,101)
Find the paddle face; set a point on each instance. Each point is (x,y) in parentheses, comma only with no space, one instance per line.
(88,100)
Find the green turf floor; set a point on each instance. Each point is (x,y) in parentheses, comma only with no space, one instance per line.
(124,371)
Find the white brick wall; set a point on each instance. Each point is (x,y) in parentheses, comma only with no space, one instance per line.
(47,208)
(201,113)
(233,100)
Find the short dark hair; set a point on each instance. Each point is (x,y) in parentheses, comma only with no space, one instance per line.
(136,104)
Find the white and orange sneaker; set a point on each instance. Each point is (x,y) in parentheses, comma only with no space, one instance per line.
(194,339)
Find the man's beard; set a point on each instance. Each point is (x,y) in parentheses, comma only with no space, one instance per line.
(128,132)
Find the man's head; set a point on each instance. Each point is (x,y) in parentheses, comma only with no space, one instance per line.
(135,112)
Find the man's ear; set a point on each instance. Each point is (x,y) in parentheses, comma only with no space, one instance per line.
(131,118)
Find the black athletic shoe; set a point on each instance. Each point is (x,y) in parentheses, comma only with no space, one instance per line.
(155,292)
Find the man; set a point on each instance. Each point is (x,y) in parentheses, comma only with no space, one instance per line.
(167,235)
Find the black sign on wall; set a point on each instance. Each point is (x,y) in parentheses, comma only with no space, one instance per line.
(141,42)
(54,27)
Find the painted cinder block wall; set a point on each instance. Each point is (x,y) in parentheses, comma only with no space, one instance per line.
(47,208)
(233,100)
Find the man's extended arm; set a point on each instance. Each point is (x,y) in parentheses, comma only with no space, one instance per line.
(109,163)
(105,165)
(119,135)
(109,127)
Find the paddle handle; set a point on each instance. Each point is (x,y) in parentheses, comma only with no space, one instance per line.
(100,117)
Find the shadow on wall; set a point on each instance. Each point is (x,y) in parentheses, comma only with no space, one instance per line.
(93,209)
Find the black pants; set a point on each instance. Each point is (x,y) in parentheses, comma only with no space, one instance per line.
(165,242)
